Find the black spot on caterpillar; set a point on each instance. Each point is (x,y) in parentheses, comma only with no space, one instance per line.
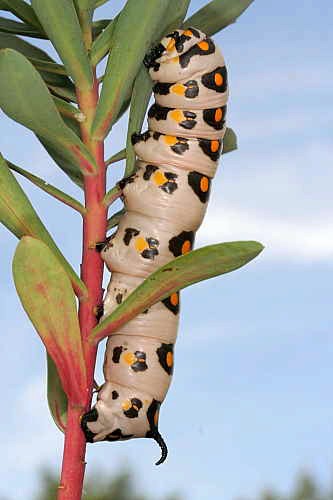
(172,303)
(200,185)
(182,243)
(165,201)
(165,357)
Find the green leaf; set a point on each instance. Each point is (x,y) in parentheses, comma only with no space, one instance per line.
(60,21)
(65,92)
(98,3)
(217,15)
(19,216)
(48,188)
(50,67)
(229,141)
(131,41)
(99,26)
(139,102)
(69,167)
(181,272)
(112,195)
(121,155)
(40,59)
(10,26)
(56,397)
(115,219)
(23,11)
(47,296)
(9,41)
(38,112)
(68,110)
(102,44)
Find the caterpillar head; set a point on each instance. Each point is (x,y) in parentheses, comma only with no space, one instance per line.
(173,45)
(128,417)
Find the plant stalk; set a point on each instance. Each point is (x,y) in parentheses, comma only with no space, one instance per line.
(94,230)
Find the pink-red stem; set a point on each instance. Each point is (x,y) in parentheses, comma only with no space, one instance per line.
(94,230)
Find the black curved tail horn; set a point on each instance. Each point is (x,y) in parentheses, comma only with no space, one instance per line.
(160,441)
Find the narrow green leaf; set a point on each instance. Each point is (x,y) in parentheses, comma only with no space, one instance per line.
(48,188)
(50,67)
(68,110)
(217,15)
(23,11)
(47,296)
(62,161)
(115,219)
(10,41)
(99,26)
(65,92)
(102,44)
(229,141)
(19,216)
(121,155)
(38,112)
(56,397)
(85,4)
(139,102)
(10,26)
(132,40)
(60,21)
(98,3)
(112,195)
(181,272)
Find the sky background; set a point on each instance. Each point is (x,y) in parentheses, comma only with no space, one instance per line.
(251,401)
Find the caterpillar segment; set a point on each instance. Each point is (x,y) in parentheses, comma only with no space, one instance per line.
(165,200)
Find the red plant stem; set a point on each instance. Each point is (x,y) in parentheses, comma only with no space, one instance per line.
(94,230)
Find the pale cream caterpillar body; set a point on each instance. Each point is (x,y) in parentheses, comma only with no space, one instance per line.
(165,201)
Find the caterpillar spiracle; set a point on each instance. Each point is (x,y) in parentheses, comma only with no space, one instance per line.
(165,201)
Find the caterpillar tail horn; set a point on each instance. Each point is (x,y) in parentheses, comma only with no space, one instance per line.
(164,449)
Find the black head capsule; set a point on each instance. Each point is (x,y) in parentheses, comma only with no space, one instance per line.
(152,55)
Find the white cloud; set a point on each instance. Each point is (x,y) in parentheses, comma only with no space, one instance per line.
(286,239)
(284,201)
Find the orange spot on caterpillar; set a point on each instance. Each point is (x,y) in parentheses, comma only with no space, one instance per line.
(126,405)
(159,178)
(188,33)
(178,89)
(129,358)
(204,184)
(140,244)
(203,45)
(170,140)
(214,146)
(169,359)
(171,45)
(174,299)
(176,115)
(218,115)
(218,78)
(186,247)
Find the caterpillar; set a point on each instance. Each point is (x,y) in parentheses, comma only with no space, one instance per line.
(165,201)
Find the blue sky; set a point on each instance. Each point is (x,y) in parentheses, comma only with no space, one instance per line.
(250,404)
